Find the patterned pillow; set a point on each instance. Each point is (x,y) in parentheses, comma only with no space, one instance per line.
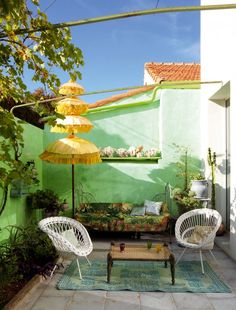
(126,207)
(199,234)
(153,207)
(138,211)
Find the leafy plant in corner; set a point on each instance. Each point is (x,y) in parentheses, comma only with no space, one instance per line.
(183,196)
(27,251)
(45,199)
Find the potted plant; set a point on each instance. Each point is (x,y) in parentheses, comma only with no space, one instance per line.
(199,186)
(45,199)
(186,200)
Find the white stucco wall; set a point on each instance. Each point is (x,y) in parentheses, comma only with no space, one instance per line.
(147,78)
(218,62)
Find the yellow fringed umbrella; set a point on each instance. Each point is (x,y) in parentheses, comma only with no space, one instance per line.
(71,150)
(71,106)
(72,124)
(71,88)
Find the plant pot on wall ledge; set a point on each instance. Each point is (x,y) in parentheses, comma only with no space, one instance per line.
(200,188)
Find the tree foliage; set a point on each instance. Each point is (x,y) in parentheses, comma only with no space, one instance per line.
(38,52)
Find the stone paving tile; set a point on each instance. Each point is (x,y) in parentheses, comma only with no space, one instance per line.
(88,300)
(32,297)
(223,301)
(229,276)
(226,263)
(95,295)
(122,300)
(157,301)
(57,303)
(132,297)
(53,291)
(191,301)
(112,304)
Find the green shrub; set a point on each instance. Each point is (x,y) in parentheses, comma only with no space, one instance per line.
(25,253)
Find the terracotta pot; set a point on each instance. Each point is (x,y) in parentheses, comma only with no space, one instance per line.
(221,230)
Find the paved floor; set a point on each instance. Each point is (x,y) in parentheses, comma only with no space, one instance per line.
(46,296)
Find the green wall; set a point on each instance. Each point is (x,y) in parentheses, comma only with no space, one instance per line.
(173,117)
(16,212)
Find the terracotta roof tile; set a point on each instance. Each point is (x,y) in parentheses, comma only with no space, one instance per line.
(173,71)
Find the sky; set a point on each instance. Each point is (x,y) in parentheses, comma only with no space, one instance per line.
(115,51)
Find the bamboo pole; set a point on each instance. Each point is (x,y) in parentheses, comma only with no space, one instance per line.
(124,15)
(163,85)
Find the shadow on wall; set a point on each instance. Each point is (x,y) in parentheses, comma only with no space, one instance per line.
(171,172)
(122,111)
(135,126)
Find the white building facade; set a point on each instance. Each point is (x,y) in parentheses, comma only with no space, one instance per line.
(218,103)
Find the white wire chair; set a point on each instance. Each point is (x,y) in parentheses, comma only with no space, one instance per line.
(69,237)
(186,225)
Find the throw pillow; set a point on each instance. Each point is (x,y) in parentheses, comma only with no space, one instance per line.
(138,211)
(153,207)
(70,236)
(199,234)
(126,207)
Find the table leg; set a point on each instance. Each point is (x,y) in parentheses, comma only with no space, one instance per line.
(165,264)
(109,265)
(172,268)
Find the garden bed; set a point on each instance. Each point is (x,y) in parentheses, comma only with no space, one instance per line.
(27,253)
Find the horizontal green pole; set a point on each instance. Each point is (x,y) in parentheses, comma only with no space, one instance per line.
(163,85)
(187,84)
(124,15)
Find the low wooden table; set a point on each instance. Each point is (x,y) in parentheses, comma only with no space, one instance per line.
(140,252)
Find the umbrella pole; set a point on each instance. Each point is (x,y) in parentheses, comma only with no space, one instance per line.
(73,191)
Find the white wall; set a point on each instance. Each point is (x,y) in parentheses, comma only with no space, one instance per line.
(218,62)
(147,78)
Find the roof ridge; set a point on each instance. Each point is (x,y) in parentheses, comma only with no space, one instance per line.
(172,63)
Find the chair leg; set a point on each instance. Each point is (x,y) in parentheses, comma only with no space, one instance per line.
(200,252)
(79,269)
(181,255)
(213,256)
(52,272)
(88,260)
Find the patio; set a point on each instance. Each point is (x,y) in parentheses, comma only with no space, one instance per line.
(46,296)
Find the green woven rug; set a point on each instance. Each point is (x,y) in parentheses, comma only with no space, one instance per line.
(142,277)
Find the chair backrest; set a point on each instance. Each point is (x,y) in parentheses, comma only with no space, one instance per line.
(187,222)
(54,228)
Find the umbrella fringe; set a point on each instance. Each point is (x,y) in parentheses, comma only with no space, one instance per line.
(71,109)
(72,128)
(68,159)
